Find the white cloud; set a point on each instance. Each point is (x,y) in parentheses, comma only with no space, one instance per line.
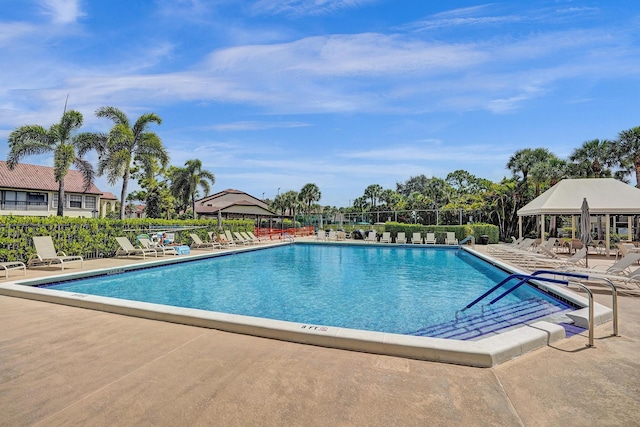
(243,126)
(305,7)
(62,11)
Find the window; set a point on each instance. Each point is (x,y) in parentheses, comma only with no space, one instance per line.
(75,201)
(37,199)
(15,200)
(90,202)
(55,200)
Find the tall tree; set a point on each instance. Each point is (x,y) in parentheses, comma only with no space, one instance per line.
(627,149)
(67,147)
(373,192)
(126,144)
(186,181)
(309,193)
(524,160)
(595,156)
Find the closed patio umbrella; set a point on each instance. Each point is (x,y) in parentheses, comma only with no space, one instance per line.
(219,220)
(585,228)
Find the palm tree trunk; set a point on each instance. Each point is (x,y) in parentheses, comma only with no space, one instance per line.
(60,211)
(123,193)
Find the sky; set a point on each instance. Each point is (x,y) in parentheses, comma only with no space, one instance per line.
(273,94)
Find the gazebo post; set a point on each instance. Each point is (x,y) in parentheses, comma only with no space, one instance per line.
(519,227)
(607,234)
(541,227)
(629,229)
(573,227)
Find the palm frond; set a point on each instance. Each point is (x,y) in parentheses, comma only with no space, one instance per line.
(114,114)
(86,169)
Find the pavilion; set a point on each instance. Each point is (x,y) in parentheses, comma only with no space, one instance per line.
(606,196)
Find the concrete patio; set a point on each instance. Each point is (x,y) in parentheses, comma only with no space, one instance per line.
(69,366)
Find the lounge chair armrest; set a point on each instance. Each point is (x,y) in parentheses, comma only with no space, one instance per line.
(61,253)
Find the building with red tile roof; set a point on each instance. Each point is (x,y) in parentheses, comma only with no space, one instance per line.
(232,204)
(32,190)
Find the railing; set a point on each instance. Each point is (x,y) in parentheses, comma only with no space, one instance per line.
(277,233)
(24,206)
(288,237)
(466,239)
(536,275)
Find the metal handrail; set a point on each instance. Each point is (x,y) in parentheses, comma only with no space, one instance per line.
(466,239)
(536,276)
(614,293)
(289,237)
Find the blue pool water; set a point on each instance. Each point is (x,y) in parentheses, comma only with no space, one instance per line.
(386,289)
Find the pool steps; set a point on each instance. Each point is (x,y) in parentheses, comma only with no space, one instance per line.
(493,320)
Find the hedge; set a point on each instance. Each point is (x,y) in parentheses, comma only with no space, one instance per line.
(94,237)
(461,231)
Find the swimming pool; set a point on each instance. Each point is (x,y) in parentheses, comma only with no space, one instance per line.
(486,351)
(401,290)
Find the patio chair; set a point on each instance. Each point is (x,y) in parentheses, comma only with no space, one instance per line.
(430,239)
(230,239)
(451,238)
(12,265)
(146,243)
(127,249)
(239,239)
(256,238)
(620,268)
(321,235)
(416,239)
(333,235)
(248,238)
(386,237)
(199,244)
(371,237)
(401,238)
(46,254)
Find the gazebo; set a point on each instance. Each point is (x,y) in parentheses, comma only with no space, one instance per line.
(606,196)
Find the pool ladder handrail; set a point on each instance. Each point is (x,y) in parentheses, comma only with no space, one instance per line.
(289,237)
(536,275)
(466,239)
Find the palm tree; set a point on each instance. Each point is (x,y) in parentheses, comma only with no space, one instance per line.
(594,155)
(627,149)
(373,192)
(310,193)
(126,144)
(59,139)
(185,182)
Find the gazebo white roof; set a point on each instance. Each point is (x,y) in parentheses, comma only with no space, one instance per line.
(604,195)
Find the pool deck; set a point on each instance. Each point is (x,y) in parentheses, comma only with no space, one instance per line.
(63,365)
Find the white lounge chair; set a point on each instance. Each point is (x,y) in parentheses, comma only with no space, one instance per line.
(451,238)
(239,239)
(256,238)
(430,239)
(371,237)
(127,249)
(12,265)
(46,254)
(332,235)
(321,235)
(620,268)
(416,239)
(248,238)
(401,238)
(199,244)
(146,243)
(386,237)
(230,240)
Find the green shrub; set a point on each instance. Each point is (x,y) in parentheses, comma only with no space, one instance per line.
(94,237)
